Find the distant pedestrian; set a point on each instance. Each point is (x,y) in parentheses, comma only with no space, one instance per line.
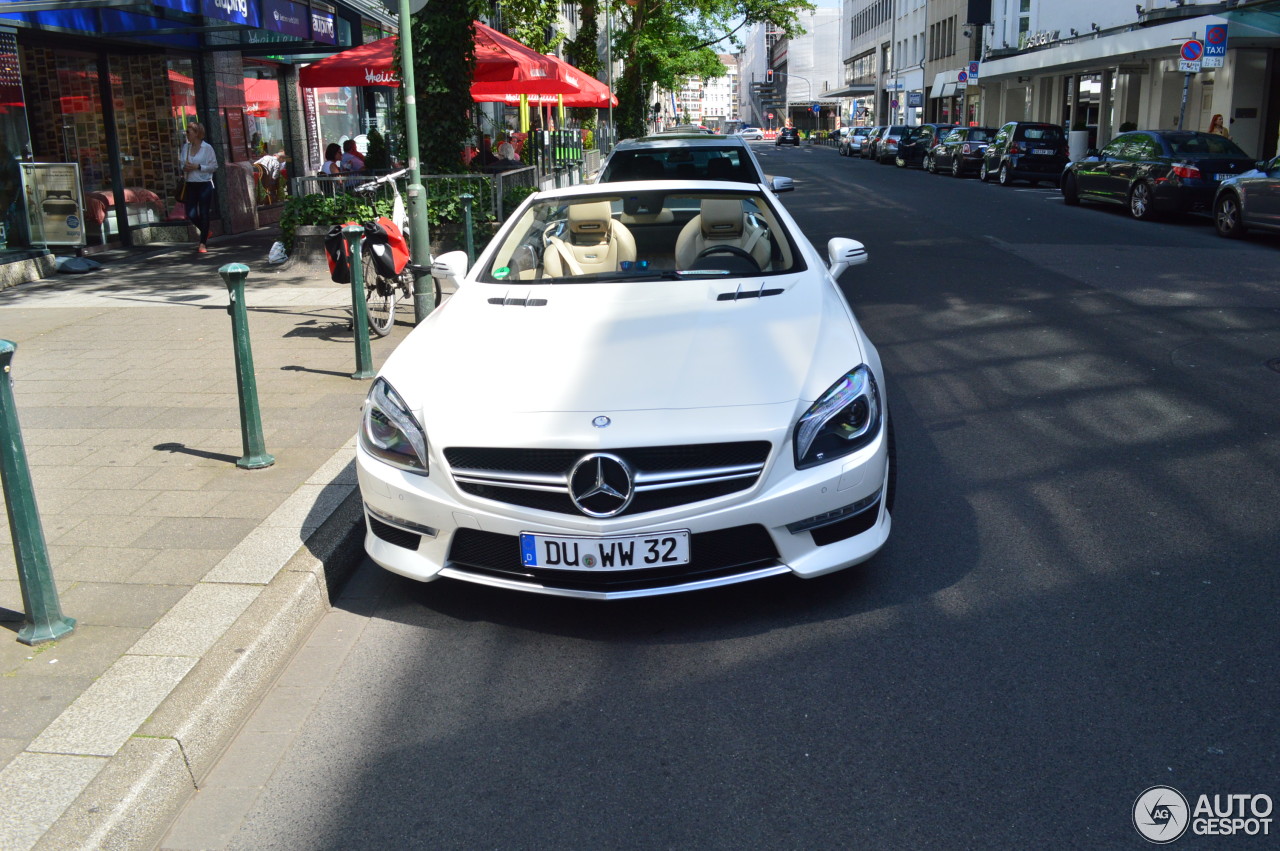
(1218,128)
(199,163)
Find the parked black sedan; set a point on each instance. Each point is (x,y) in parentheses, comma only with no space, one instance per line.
(960,151)
(787,136)
(1251,200)
(914,147)
(1155,171)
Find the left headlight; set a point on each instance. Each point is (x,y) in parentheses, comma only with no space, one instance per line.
(844,420)
(389,432)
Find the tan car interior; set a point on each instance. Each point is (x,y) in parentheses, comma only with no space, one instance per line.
(594,243)
(721,222)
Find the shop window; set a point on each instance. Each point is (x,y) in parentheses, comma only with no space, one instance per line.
(264,124)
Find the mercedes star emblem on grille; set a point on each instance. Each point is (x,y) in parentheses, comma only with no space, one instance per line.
(601,485)
(601,422)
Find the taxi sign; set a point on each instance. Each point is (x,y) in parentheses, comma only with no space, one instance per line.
(1215,46)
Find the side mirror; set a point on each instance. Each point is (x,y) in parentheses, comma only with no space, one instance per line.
(843,253)
(451,266)
(782,184)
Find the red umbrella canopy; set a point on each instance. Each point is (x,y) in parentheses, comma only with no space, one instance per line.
(366,65)
(503,66)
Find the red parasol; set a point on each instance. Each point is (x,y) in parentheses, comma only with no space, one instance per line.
(505,69)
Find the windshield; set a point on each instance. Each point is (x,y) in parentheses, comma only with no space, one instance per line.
(701,162)
(654,235)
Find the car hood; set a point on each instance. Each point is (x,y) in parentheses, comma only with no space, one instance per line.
(651,345)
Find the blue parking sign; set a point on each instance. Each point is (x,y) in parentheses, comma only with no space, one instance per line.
(1215,45)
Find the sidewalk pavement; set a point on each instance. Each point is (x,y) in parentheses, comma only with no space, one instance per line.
(191,580)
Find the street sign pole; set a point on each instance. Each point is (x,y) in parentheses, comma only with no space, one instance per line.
(1190,55)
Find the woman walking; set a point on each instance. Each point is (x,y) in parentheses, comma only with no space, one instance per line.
(198,164)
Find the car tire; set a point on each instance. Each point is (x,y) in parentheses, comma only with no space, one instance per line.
(956,170)
(1070,191)
(929,165)
(1228,218)
(982,171)
(899,162)
(1140,202)
(1004,177)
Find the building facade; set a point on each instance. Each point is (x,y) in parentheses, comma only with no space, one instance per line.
(97,99)
(1096,64)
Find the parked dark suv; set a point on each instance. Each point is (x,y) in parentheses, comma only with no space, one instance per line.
(915,146)
(1025,150)
(960,151)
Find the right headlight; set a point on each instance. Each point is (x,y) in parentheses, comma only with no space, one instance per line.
(844,420)
(390,433)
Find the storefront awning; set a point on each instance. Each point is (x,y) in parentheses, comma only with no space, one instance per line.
(942,78)
(282,26)
(855,91)
(946,90)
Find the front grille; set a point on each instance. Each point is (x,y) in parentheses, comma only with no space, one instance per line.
(713,554)
(538,478)
(393,535)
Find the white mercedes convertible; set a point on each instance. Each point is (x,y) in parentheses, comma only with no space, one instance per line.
(638,388)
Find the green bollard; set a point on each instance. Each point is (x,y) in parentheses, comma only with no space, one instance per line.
(255,453)
(353,234)
(44,620)
(466,220)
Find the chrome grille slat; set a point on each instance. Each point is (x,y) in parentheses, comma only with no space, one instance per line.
(663,476)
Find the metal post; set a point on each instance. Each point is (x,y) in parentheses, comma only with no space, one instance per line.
(424,297)
(255,454)
(466,223)
(43,618)
(354,234)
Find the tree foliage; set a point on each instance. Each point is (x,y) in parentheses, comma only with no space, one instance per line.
(444,60)
(664,42)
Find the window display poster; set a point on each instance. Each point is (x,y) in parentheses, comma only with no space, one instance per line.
(55,209)
(237,139)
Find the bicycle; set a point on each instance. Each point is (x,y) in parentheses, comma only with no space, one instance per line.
(382,291)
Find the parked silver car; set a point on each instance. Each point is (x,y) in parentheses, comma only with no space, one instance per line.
(851,142)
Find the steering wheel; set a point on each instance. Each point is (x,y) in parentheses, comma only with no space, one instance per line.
(726,249)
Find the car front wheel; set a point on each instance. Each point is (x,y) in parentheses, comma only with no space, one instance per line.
(955,167)
(1004,177)
(1227,218)
(1070,192)
(982,171)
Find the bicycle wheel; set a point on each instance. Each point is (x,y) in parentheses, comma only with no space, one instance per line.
(379,297)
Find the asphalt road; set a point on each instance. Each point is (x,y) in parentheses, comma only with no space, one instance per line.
(1079,600)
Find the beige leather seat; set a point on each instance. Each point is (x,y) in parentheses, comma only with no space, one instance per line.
(594,243)
(721,222)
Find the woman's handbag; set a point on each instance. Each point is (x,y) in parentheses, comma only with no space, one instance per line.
(182,191)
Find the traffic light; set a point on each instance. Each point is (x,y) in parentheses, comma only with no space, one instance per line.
(768,76)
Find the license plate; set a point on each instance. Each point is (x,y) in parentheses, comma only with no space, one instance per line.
(1222,177)
(621,552)
(1044,152)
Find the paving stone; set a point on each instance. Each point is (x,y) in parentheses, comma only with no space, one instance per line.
(119,604)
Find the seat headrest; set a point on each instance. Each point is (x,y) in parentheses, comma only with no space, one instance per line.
(591,219)
(721,218)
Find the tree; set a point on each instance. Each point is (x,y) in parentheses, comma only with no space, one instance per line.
(444,59)
(664,42)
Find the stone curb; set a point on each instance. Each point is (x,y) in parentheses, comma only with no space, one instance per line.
(137,794)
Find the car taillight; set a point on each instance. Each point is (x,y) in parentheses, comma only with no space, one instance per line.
(1017,148)
(1186,170)
(892,143)
(966,149)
